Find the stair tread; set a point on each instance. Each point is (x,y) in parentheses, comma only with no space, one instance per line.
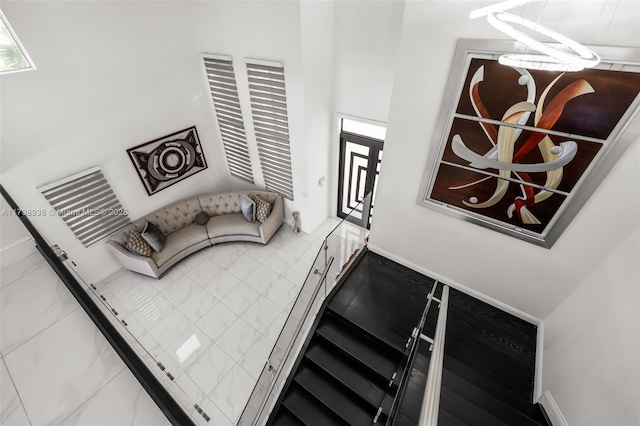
(494,365)
(402,420)
(330,361)
(396,344)
(384,298)
(493,342)
(357,349)
(446,418)
(489,386)
(341,403)
(493,324)
(286,418)
(307,410)
(464,410)
(488,402)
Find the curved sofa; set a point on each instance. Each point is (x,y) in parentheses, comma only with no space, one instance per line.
(184,236)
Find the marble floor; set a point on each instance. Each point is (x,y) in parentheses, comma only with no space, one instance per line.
(212,320)
(56,368)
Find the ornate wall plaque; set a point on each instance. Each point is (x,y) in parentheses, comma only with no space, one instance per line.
(167,160)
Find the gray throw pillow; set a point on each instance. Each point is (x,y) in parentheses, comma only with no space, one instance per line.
(248,208)
(153,236)
(201,218)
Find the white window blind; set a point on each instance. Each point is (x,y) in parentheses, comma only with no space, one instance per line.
(87,204)
(270,122)
(222,82)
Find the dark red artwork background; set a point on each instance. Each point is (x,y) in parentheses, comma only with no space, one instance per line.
(593,115)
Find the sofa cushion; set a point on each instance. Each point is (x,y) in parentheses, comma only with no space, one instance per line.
(269,197)
(175,216)
(137,245)
(153,236)
(221,203)
(180,240)
(248,208)
(232,224)
(263,209)
(230,202)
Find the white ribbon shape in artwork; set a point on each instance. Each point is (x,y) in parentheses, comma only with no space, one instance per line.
(569,151)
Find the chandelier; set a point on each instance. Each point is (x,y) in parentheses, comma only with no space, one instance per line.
(568,55)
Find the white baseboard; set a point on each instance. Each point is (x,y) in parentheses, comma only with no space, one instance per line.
(491,301)
(17,251)
(552,409)
(537,380)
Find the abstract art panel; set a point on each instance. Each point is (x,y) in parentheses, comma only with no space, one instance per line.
(516,145)
(167,160)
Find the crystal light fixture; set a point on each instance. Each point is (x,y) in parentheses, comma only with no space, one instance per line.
(498,7)
(569,56)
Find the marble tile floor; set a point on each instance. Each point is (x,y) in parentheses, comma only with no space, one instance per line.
(212,320)
(56,368)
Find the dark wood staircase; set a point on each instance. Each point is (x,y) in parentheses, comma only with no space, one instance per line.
(353,367)
(488,370)
(347,372)
(354,360)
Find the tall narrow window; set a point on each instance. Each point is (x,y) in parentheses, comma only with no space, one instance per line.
(270,122)
(222,82)
(87,204)
(13,56)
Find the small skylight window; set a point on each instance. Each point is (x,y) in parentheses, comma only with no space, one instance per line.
(13,56)
(364,129)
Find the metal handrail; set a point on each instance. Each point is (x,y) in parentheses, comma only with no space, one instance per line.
(431,401)
(416,335)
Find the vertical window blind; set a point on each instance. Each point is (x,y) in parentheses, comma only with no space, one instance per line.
(222,83)
(87,204)
(270,122)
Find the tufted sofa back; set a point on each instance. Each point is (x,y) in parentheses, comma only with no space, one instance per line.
(229,202)
(174,216)
(182,213)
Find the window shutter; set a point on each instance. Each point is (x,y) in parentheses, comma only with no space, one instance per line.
(87,205)
(270,122)
(222,82)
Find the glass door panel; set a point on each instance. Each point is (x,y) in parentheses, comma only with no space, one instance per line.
(360,159)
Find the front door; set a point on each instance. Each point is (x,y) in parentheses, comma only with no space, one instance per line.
(360,158)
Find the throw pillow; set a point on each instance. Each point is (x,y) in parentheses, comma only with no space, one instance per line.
(248,207)
(153,236)
(201,218)
(137,245)
(263,209)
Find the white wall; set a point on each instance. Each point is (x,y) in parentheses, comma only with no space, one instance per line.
(366,39)
(367,34)
(591,346)
(532,279)
(111,75)
(317,27)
